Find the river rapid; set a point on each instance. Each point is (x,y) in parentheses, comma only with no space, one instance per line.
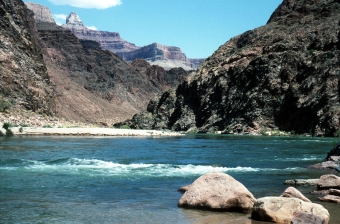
(135,179)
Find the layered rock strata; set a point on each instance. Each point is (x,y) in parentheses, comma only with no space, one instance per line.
(284,75)
(164,56)
(108,40)
(156,54)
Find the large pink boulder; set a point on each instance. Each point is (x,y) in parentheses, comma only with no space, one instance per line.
(281,210)
(292,192)
(217,191)
(329,181)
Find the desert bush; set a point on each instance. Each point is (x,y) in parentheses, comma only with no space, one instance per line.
(4,105)
(6,126)
(125,127)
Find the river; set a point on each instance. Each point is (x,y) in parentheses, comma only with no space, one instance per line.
(58,179)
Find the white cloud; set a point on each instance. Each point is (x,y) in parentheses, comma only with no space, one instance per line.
(92,27)
(60,16)
(60,19)
(97,4)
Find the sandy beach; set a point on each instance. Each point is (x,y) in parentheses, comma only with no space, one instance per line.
(89,132)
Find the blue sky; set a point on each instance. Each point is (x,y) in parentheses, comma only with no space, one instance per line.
(198,27)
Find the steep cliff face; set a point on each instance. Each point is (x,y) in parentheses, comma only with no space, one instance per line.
(24,79)
(108,40)
(156,54)
(41,13)
(284,75)
(164,56)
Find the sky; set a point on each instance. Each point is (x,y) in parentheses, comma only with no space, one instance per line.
(198,27)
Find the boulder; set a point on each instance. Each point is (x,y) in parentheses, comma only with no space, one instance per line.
(217,191)
(305,218)
(302,182)
(328,181)
(281,210)
(330,198)
(292,192)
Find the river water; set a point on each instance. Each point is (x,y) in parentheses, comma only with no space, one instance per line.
(135,179)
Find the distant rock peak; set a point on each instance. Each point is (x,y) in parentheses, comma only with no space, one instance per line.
(41,13)
(73,19)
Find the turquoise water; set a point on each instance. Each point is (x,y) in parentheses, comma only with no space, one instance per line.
(135,179)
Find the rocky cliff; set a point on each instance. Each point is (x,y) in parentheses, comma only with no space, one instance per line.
(284,75)
(158,76)
(24,79)
(156,54)
(41,13)
(108,40)
(91,85)
(165,56)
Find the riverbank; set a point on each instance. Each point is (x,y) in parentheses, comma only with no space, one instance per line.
(89,131)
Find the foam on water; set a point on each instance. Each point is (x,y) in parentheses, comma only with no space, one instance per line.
(105,168)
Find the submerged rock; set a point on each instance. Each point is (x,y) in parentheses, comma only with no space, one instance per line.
(302,182)
(285,210)
(217,191)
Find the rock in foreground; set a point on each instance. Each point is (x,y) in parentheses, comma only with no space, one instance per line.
(329,181)
(281,210)
(292,192)
(217,191)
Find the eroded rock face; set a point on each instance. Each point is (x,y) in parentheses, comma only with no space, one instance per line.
(292,192)
(281,210)
(24,78)
(217,191)
(284,75)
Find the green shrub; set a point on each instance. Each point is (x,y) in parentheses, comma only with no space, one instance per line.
(4,105)
(47,126)
(9,132)
(6,126)
(125,127)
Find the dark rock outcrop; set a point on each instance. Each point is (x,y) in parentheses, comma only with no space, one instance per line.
(332,161)
(24,78)
(158,76)
(284,75)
